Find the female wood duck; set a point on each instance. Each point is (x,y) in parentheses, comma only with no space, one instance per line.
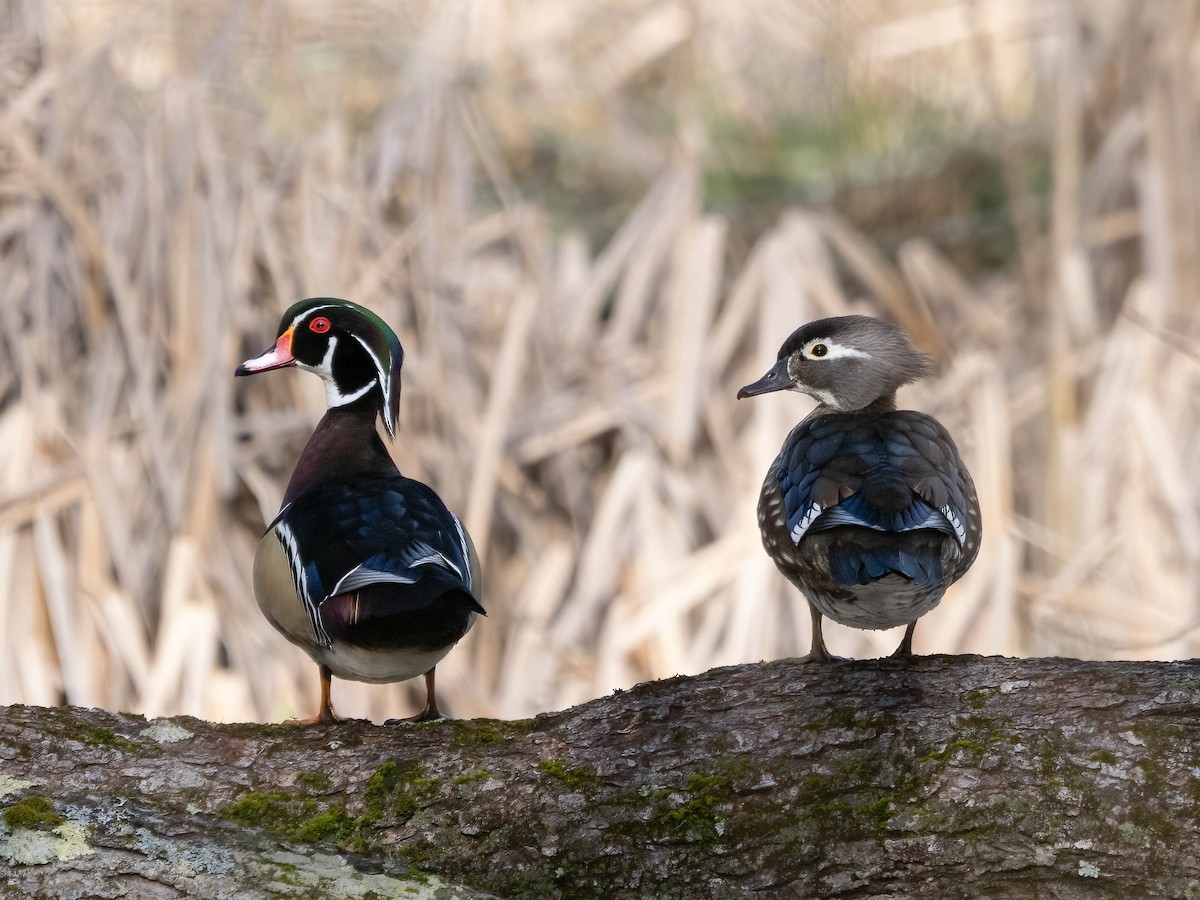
(868,510)
(363,568)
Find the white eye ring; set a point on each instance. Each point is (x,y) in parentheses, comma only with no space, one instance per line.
(824,348)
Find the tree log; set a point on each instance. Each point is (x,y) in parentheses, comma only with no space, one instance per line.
(938,776)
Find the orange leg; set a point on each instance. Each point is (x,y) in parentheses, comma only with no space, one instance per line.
(326,715)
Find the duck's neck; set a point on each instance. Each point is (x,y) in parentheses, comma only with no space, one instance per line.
(344,444)
(884,404)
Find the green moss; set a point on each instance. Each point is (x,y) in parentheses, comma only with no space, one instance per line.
(532,881)
(1154,733)
(381,783)
(958,745)
(398,787)
(989,729)
(416,857)
(331,825)
(864,797)
(406,806)
(256,731)
(33,813)
(314,781)
(1104,756)
(697,818)
(468,778)
(105,737)
(275,810)
(1152,821)
(978,697)
(1155,772)
(575,778)
(476,733)
(839,808)
(397,790)
(879,813)
(977,735)
(418,793)
(842,717)
(702,817)
(858,770)
(298,817)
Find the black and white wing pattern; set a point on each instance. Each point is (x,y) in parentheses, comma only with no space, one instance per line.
(386,541)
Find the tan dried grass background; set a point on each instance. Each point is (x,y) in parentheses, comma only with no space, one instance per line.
(174,175)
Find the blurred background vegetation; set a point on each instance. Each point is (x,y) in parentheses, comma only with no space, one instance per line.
(589,222)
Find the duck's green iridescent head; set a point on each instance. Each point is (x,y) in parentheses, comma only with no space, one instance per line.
(352,349)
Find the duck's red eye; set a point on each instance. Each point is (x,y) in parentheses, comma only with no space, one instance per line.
(319,325)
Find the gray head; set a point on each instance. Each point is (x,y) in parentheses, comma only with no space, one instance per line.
(846,363)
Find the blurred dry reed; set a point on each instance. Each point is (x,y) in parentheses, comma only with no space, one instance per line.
(173,175)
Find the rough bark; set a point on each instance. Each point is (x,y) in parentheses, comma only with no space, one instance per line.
(942,776)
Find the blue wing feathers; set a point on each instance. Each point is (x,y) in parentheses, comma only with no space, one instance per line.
(886,473)
(398,528)
(852,564)
(312,578)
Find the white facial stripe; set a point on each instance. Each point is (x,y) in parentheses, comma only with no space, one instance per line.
(833,351)
(385,377)
(309,312)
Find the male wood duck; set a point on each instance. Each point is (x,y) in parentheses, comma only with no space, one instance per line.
(868,510)
(365,569)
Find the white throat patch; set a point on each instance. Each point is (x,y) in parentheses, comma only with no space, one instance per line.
(823,397)
(334,397)
(333,394)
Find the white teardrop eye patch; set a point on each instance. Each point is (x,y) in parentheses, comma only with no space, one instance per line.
(824,348)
